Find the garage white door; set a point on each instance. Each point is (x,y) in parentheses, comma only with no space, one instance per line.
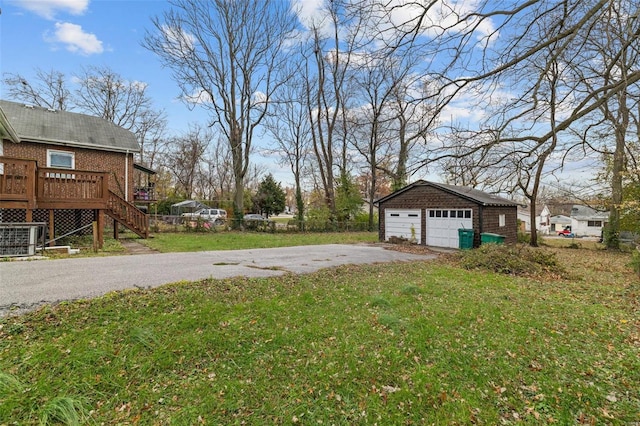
(403,224)
(442,226)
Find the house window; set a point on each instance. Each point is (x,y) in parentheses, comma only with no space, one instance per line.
(502,220)
(594,223)
(61,160)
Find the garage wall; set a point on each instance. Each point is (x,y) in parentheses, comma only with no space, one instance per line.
(427,197)
(490,222)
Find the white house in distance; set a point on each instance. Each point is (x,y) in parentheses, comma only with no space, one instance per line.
(588,221)
(584,221)
(542,219)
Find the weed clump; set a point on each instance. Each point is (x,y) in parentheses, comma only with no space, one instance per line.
(512,260)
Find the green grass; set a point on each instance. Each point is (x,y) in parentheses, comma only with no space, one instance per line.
(189,241)
(412,343)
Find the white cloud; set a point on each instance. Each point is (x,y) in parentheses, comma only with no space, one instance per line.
(309,11)
(177,42)
(75,39)
(49,8)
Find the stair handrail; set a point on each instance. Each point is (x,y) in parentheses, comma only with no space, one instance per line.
(128,214)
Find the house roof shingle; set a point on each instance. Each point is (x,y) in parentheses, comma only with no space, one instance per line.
(475,195)
(42,125)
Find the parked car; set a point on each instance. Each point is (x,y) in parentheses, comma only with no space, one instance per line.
(215,216)
(566,232)
(256,222)
(255,218)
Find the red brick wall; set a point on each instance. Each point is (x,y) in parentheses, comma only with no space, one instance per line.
(429,197)
(85,159)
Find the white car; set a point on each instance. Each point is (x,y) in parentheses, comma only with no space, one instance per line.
(215,216)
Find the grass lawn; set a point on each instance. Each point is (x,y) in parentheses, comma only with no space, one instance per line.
(230,240)
(412,343)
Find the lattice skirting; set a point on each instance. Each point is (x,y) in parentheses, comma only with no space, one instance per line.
(65,221)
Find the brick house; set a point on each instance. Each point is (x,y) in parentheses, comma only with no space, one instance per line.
(431,213)
(67,170)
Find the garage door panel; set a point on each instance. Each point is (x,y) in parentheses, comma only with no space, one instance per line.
(403,223)
(442,226)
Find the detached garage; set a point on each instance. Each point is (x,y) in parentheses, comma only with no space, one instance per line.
(430,214)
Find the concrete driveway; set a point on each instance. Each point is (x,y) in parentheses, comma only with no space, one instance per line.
(25,285)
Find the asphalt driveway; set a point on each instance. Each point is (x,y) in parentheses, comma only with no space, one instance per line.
(28,284)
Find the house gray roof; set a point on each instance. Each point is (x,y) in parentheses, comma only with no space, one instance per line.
(475,195)
(561,220)
(41,125)
(579,212)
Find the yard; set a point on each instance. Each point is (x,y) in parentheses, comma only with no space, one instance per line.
(416,343)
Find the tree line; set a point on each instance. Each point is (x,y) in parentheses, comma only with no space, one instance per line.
(499,96)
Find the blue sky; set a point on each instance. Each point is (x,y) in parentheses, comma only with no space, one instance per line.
(67,35)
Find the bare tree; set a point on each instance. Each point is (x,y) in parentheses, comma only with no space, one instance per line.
(616,47)
(377,83)
(226,57)
(335,36)
(289,126)
(185,160)
(49,89)
(104,93)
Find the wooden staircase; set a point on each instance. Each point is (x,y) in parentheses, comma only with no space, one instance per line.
(127,215)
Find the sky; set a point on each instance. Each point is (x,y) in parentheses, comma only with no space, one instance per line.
(69,35)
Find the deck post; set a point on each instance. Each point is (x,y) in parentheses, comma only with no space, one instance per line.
(52,231)
(100,226)
(29,215)
(116,230)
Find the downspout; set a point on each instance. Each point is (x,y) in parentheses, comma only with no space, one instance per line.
(126,177)
(480,221)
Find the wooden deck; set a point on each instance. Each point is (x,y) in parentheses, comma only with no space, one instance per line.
(24,185)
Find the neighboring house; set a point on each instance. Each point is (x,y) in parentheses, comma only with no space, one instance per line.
(586,221)
(542,219)
(67,170)
(524,217)
(559,222)
(431,214)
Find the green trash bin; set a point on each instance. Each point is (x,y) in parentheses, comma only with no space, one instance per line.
(489,238)
(465,239)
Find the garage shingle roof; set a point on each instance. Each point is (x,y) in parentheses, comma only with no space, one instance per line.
(37,124)
(475,195)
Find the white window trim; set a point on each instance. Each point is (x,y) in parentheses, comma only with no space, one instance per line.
(55,151)
(61,175)
(502,220)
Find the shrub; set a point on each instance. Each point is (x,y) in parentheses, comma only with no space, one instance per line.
(512,260)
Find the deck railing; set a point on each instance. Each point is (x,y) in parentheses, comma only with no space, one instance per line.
(144,193)
(17,180)
(63,186)
(25,185)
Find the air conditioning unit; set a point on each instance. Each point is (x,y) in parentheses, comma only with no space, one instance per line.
(18,240)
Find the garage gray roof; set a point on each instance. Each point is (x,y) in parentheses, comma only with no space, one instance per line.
(30,123)
(475,195)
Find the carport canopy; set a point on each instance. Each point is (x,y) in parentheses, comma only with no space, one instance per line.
(186,206)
